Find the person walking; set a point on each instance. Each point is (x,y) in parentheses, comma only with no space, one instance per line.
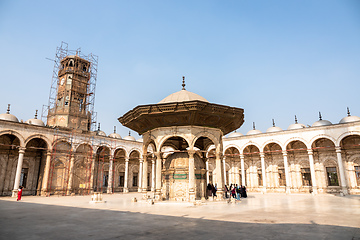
(19,194)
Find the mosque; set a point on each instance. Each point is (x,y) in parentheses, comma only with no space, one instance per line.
(187,142)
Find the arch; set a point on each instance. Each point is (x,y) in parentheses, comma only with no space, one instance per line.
(77,148)
(272,141)
(249,144)
(294,139)
(233,146)
(319,136)
(16,134)
(134,150)
(204,134)
(46,140)
(344,135)
(166,138)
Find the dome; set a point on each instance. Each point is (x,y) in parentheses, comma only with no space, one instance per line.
(130,138)
(35,121)
(115,135)
(140,140)
(273,129)
(235,134)
(183,96)
(296,126)
(101,133)
(8,117)
(321,123)
(253,132)
(349,119)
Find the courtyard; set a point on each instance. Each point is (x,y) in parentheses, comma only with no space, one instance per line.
(260,216)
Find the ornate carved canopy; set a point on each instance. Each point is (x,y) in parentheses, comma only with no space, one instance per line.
(191,113)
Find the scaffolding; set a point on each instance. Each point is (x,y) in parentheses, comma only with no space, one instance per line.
(61,53)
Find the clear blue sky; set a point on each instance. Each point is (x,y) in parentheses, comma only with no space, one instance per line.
(275,59)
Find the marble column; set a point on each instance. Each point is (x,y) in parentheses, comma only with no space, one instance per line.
(91,187)
(71,175)
(219,177)
(341,171)
(145,177)
(140,174)
(242,165)
(191,175)
(158,176)
(46,174)
(111,171)
(126,177)
(224,170)
(287,175)
(263,170)
(18,172)
(312,171)
(207,171)
(153,175)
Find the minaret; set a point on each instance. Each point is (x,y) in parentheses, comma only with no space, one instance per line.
(71,109)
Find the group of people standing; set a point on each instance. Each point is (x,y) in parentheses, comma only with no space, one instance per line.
(235,191)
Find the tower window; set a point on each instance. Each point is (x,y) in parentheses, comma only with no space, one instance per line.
(71,64)
(84,68)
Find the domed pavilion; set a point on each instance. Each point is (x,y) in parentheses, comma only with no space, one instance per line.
(177,132)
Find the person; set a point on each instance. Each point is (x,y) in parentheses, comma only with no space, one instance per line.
(19,193)
(226,191)
(233,192)
(214,190)
(243,192)
(209,190)
(237,192)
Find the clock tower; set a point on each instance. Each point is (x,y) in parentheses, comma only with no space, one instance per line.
(70,107)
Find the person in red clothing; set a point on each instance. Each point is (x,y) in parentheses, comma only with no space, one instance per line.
(20,193)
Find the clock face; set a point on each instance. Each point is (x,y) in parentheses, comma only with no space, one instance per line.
(62,81)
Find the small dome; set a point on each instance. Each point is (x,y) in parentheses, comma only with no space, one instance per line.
(183,96)
(8,117)
(130,138)
(296,126)
(235,134)
(140,140)
(253,132)
(273,129)
(349,119)
(101,133)
(35,121)
(321,123)
(115,135)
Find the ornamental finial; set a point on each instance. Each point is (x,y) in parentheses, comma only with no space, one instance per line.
(348,112)
(296,119)
(253,125)
(36,111)
(273,123)
(114,129)
(8,109)
(183,84)
(320,117)
(99,127)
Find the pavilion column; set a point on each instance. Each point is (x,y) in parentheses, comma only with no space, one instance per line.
(224,170)
(242,164)
(91,187)
(140,174)
(46,174)
(341,171)
(145,173)
(18,172)
(158,176)
(153,180)
(71,175)
(126,188)
(263,170)
(312,171)
(111,170)
(207,171)
(219,177)
(287,175)
(191,175)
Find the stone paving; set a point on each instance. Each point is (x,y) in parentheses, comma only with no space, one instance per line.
(260,216)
